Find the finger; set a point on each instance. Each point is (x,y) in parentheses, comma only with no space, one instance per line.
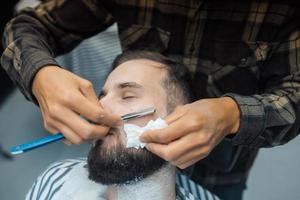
(47,124)
(190,158)
(70,136)
(175,115)
(94,112)
(198,152)
(158,149)
(110,120)
(88,91)
(83,128)
(166,135)
(167,152)
(51,128)
(57,127)
(105,118)
(175,150)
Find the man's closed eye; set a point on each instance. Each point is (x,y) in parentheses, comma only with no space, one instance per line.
(128,97)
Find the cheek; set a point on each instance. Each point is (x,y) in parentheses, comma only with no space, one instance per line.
(142,121)
(116,106)
(161,109)
(158,104)
(123,110)
(159,99)
(142,104)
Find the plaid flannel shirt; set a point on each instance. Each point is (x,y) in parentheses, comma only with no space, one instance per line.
(248,50)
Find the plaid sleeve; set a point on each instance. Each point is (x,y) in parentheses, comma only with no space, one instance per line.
(273,117)
(35,36)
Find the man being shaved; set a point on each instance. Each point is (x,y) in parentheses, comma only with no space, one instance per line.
(114,171)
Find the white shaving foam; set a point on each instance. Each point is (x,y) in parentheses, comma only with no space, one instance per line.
(133,132)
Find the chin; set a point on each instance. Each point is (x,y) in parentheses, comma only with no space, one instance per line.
(110,162)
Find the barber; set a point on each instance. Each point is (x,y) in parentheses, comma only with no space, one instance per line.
(243,57)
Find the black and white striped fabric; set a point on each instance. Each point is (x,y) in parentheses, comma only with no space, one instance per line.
(191,190)
(68,180)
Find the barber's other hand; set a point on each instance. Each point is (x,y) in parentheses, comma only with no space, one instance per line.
(194,130)
(63,97)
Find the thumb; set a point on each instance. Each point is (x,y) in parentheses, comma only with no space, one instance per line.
(175,115)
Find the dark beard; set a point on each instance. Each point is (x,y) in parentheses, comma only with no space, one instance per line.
(117,164)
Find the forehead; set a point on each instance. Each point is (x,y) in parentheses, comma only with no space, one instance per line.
(142,71)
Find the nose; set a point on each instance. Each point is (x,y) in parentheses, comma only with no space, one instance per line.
(108,104)
(112,105)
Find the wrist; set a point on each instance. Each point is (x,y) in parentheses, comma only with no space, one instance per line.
(232,115)
(40,76)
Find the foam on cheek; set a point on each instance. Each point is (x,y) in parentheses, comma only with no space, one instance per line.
(133,132)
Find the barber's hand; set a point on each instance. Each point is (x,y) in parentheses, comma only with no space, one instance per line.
(63,97)
(194,130)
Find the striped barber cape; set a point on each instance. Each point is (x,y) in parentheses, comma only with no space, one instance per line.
(68,180)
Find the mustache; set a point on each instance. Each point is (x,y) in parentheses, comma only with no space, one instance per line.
(113,132)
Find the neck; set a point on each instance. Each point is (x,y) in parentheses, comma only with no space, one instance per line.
(160,185)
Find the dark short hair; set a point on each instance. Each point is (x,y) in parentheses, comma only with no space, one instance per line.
(176,84)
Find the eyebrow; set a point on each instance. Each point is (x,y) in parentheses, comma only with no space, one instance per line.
(129,85)
(133,85)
